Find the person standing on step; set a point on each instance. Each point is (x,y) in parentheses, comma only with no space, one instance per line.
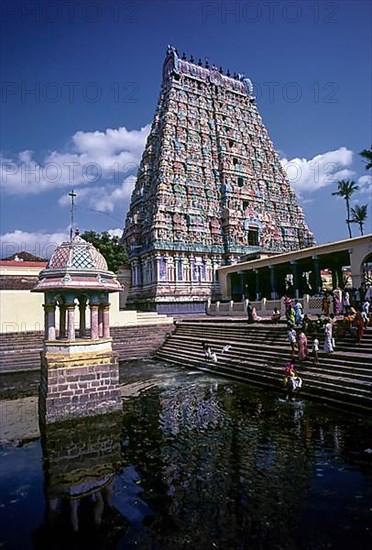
(302,345)
(250,313)
(275,317)
(337,306)
(346,301)
(358,323)
(291,335)
(315,351)
(328,344)
(298,312)
(325,305)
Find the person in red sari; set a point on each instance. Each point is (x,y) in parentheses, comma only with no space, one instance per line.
(358,323)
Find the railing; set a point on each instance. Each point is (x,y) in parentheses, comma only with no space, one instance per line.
(312,305)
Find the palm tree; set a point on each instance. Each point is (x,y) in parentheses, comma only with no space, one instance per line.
(345,188)
(359,215)
(367,156)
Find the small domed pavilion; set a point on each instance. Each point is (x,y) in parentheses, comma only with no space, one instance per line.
(79,373)
(77,274)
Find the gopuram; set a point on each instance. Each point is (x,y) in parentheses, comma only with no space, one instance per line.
(209,190)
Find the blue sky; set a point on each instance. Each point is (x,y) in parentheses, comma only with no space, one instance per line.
(80,83)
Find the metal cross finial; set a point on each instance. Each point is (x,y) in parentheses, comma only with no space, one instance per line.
(72,195)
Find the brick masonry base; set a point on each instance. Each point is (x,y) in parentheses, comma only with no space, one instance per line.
(75,385)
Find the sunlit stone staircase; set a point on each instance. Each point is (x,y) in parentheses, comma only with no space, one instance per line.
(259,352)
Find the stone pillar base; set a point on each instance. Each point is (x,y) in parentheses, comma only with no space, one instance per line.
(76,383)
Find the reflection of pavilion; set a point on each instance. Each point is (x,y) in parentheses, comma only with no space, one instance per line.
(81,460)
(266,276)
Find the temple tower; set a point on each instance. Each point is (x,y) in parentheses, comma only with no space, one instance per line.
(210,189)
(79,370)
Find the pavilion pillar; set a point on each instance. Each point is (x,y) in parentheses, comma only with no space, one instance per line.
(82,318)
(318,279)
(70,321)
(274,294)
(294,267)
(62,321)
(50,321)
(100,320)
(334,278)
(94,321)
(258,284)
(106,321)
(340,277)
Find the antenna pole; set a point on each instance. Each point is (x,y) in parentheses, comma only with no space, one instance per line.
(72,195)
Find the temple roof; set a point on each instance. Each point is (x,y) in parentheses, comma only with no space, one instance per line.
(77,264)
(77,254)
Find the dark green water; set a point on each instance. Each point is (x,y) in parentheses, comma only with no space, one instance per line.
(194,462)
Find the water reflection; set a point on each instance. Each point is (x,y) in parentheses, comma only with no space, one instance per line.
(224,467)
(81,461)
(196,462)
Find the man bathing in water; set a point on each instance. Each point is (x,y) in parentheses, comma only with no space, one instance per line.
(292,382)
(209,354)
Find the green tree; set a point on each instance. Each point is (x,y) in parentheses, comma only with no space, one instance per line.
(109,246)
(367,156)
(345,188)
(359,215)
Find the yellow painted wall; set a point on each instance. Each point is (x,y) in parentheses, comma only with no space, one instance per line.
(21,310)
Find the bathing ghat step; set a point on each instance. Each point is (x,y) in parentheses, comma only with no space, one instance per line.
(258,353)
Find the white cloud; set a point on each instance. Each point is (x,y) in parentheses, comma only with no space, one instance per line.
(92,158)
(365,184)
(104,199)
(38,243)
(115,232)
(322,170)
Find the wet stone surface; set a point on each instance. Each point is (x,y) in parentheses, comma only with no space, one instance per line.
(193,462)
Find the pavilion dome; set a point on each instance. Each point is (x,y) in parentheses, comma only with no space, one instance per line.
(77,254)
(77,265)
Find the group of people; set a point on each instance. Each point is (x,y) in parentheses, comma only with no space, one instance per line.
(298,339)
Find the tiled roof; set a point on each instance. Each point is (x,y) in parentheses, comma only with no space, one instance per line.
(77,254)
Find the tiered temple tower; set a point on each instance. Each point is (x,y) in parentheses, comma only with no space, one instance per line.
(210,189)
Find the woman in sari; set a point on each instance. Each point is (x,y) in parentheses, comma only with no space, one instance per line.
(337,308)
(298,312)
(328,346)
(358,323)
(302,345)
(325,305)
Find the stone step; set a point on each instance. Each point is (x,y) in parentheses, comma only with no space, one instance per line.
(247,329)
(350,394)
(350,373)
(257,356)
(217,344)
(265,373)
(364,348)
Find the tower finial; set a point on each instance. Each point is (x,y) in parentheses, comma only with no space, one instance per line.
(72,210)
